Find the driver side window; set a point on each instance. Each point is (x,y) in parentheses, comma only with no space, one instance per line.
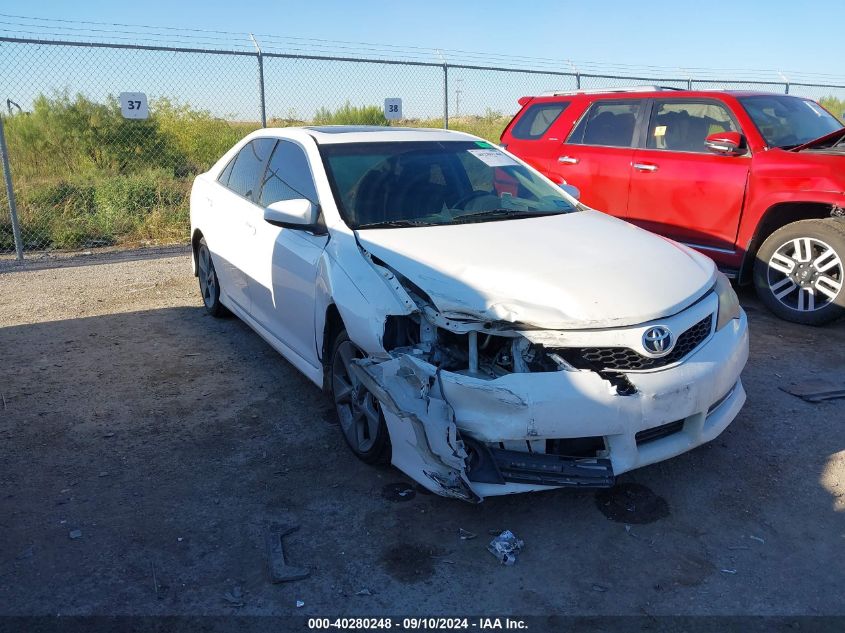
(288,176)
(682,126)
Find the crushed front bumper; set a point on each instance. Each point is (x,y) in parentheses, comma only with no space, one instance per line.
(471,437)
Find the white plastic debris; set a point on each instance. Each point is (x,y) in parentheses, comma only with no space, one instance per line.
(299,604)
(505,547)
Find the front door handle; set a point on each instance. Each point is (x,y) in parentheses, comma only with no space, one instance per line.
(645,167)
(251,227)
(568,160)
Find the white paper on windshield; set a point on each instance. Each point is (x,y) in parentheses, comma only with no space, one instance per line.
(493,158)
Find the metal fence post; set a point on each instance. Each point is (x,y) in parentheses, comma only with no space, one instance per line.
(446,96)
(260,81)
(786,85)
(578,81)
(10,193)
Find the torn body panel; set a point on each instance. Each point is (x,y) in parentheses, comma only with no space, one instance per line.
(421,423)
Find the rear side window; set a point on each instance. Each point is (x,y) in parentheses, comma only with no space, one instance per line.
(682,126)
(248,167)
(288,176)
(537,119)
(607,123)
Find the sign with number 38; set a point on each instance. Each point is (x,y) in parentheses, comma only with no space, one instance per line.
(392,109)
(133,105)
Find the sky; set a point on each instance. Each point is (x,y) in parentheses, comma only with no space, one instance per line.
(779,35)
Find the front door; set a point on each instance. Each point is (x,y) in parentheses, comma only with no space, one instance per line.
(283,261)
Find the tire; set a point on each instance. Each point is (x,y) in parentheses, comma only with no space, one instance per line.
(358,412)
(209,284)
(799,270)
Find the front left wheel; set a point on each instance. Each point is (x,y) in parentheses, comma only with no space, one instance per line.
(358,410)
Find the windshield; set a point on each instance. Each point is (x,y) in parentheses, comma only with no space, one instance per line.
(429,183)
(789,121)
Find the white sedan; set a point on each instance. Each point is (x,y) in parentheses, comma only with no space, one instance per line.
(473,323)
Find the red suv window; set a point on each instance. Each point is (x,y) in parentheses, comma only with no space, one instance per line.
(607,123)
(537,119)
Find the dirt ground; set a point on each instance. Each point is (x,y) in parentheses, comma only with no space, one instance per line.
(145,447)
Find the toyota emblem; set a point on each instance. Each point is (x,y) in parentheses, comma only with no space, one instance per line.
(658,340)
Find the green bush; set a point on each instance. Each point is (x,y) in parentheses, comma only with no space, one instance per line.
(348,114)
(94,211)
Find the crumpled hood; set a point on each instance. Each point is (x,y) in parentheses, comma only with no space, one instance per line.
(828,140)
(578,270)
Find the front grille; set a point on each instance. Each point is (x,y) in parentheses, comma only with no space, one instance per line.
(626,359)
(650,435)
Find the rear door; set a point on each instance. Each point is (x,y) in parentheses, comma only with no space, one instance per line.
(597,155)
(678,187)
(531,136)
(232,208)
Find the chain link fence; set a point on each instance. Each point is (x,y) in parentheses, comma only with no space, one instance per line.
(85,177)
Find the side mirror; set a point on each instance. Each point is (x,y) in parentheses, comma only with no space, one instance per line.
(572,190)
(726,143)
(293,214)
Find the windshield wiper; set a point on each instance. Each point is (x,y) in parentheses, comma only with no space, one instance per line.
(503,214)
(390,224)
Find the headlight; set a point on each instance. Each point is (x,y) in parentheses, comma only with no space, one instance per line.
(728,302)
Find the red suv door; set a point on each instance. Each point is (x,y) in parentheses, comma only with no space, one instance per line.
(678,187)
(597,155)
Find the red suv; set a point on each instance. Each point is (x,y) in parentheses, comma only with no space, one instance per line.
(754,180)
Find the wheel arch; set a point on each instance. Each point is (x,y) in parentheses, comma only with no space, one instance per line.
(775,217)
(332,326)
(195,242)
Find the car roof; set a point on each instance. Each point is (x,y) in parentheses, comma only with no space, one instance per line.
(659,92)
(336,134)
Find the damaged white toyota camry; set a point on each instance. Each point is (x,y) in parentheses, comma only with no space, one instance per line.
(474,324)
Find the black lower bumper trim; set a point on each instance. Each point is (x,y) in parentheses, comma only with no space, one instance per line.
(500,466)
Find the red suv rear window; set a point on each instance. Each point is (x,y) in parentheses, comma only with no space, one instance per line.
(537,119)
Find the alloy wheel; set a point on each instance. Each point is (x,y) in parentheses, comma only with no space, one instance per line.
(208,280)
(805,274)
(357,408)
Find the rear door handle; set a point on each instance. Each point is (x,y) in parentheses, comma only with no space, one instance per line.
(568,160)
(645,167)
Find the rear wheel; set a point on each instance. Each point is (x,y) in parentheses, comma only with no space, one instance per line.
(799,269)
(209,284)
(358,410)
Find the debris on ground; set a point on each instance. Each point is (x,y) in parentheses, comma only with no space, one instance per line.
(816,390)
(756,538)
(599,588)
(27,553)
(234,596)
(75,534)
(398,492)
(466,535)
(299,604)
(505,547)
(728,571)
(364,592)
(280,570)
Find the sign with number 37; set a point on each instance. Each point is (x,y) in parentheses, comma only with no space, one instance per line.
(133,105)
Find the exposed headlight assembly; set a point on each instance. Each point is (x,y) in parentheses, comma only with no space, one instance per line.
(728,301)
